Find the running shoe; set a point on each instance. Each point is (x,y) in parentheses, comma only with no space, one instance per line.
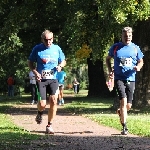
(32,102)
(119,114)
(59,102)
(38,119)
(124,131)
(49,129)
(62,101)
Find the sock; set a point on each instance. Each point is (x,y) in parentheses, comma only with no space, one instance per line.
(40,112)
(124,125)
(49,123)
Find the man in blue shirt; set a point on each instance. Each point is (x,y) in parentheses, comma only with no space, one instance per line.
(49,58)
(61,76)
(128,59)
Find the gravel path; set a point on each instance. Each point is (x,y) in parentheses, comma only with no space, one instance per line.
(73,132)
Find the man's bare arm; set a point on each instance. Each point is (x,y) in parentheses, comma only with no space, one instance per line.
(63,63)
(139,65)
(108,63)
(33,69)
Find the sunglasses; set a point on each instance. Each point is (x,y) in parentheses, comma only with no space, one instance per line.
(46,40)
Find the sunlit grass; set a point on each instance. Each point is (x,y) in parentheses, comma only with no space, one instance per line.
(12,136)
(100,110)
(81,92)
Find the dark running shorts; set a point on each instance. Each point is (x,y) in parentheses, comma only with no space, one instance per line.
(53,87)
(125,89)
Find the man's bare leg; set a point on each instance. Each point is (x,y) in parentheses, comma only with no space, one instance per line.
(51,113)
(123,111)
(53,107)
(41,106)
(61,100)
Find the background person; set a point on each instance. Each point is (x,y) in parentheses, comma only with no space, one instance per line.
(76,86)
(49,59)
(61,76)
(128,59)
(33,89)
(10,83)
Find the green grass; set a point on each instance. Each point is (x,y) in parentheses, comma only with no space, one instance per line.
(11,136)
(100,110)
(81,92)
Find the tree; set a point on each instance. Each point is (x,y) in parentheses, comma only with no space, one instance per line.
(99,23)
(21,27)
(141,37)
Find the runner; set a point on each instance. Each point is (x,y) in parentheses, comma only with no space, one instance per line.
(49,59)
(10,83)
(33,88)
(128,59)
(61,76)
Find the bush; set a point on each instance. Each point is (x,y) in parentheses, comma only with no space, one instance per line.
(83,85)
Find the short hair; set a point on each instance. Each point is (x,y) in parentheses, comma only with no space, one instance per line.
(127,29)
(45,32)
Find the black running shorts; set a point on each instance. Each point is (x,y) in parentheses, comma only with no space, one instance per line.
(53,87)
(125,89)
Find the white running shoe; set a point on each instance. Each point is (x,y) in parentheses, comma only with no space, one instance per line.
(49,129)
(62,101)
(32,102)
(59,102)
(124,131)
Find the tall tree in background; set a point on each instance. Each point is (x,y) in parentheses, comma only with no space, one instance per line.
(98,23)
(141,37)
(21,26)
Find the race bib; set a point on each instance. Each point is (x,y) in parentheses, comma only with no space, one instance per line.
(126,62)
(47,74)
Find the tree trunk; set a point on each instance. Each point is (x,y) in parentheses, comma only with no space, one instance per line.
(97,81)
(142,88)
(141,37)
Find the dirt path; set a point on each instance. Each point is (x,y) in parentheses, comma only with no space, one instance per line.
(73,132)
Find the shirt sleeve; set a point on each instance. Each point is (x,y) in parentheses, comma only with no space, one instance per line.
(61,55)
(111,51)
(139,53)
(32,56)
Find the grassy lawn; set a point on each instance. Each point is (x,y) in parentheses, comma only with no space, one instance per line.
(12,137)
(100,110)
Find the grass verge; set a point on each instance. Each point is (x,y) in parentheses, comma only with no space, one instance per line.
(12,137)
(100,110)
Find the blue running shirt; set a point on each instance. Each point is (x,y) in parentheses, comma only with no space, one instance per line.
(61,77)
(47,59)
(125,58)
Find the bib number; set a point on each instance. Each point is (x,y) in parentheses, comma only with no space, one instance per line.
(126,62)
(47,74)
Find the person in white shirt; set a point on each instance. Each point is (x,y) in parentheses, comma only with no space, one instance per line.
(33,87)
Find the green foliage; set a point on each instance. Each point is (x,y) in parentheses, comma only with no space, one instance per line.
(96,23)
(83,85)
(101,21)
(79,72)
